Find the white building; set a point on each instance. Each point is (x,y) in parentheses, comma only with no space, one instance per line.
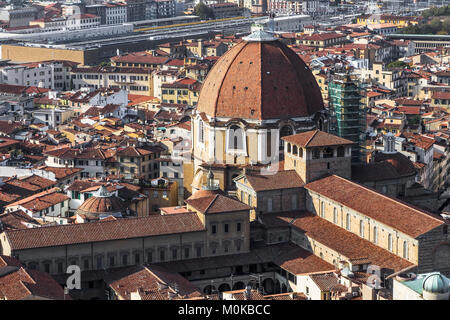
(47,74)
(115,13)
(73,22)
(52,117)
(293,23)
(39,35)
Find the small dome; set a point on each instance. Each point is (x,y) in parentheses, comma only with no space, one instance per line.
(436,283)
(102,204)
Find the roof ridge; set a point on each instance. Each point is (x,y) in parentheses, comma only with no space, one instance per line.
(211,203)
(309,140)
(404,204)
(91,223)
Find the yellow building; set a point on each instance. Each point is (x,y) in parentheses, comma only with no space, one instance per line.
(161,193)
(399,21)
(322,81)
(136,80)
(206,48)
(182,91)
(321,40)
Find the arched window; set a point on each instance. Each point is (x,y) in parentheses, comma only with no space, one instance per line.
(361,228)
(235,138)
(335,215)
(289,147)
(201,132)
(328,153)
(375,234)
(269,144)
(341,151)
(322,209)
(295,150)
(405,250)
(390,242)
(300,152)
(347,221)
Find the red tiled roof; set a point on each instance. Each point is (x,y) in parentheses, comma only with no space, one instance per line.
(316,138)
(103,231)
(392,212)
(217,204)
(259,75)
(440,95)
(280,180)
(148,281)
(20,283)
(343,242)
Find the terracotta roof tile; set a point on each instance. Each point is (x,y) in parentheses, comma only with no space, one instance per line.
(345,243)
(280,180)
(103,231)
(217,204)
(375,205)
(260,75)
(316,138)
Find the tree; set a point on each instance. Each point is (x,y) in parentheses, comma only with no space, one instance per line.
(446,25)
(203,11)
(435,25)
(396,64)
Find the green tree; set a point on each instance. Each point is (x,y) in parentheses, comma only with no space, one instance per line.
(203,11)
(446,25)
(396,64)
(435,25)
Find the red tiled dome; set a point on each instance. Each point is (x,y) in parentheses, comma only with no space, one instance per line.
(101,205)
(260,80)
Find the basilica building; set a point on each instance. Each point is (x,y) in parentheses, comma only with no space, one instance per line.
(293,225)
(257,93)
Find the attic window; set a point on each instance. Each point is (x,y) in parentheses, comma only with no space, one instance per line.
(251,62)
(245,88)
(234,87)
(240,62)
